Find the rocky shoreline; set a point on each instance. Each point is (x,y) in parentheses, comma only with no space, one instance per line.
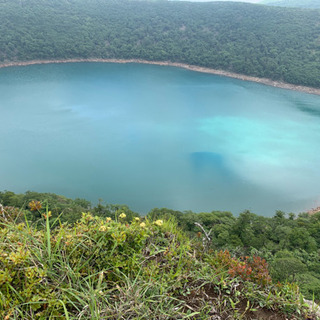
(313,210)
(265,81)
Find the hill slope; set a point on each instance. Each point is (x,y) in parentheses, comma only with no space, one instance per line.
(100,268)
(272,42)
(312,4)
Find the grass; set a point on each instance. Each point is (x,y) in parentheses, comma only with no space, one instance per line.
(111,269)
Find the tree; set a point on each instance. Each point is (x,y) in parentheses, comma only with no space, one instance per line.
(286,268)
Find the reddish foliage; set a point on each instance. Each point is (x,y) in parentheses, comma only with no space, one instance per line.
(253,269)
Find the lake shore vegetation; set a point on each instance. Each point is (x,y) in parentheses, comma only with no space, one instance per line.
(279,45)
(64,258)
(265,81)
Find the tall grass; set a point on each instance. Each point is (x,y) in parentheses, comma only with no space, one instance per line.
(104,269)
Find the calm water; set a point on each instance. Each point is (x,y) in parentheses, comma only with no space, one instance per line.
(151,136)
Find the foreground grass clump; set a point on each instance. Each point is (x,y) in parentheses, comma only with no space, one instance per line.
(103,268)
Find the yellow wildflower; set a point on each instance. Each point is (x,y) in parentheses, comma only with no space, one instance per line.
(142,225)
(122,215)
(20,226)
(103,228)
(108,219)
(35,205)
(159,223)
(49,215)
(137,219)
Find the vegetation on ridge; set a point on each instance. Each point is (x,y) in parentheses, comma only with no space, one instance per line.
(312,4)
(131,267)
(256,40)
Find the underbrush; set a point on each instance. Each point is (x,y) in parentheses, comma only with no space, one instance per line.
(103,268)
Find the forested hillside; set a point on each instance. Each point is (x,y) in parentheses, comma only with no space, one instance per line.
(312,4)
(272,42)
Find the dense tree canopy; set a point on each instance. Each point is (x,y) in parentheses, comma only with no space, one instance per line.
(314,4)
(290,244)
(257,40)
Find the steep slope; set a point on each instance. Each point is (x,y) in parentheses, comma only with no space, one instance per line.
(101,268)
(262,41)
(312,4)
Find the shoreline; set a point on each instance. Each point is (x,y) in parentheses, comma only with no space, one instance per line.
(265,81)
(313,211)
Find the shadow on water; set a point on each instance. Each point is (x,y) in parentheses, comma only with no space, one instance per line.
(310,111)
(308,106)
(205,161)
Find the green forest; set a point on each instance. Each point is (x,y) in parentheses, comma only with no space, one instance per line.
(282,250)
(257,40)
(312,4)
(63,258)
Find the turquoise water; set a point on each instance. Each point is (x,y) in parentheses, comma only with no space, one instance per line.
(153,136)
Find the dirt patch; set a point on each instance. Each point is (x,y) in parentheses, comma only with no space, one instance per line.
(216,305)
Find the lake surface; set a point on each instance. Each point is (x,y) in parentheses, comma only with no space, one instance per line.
(153,136)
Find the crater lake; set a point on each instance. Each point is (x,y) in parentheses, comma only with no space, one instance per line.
(157,136)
